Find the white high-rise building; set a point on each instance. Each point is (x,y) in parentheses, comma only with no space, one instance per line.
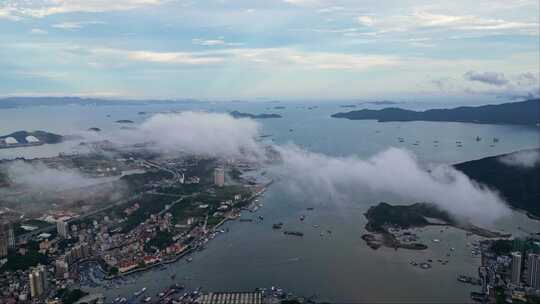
(38,281)
(516,267)
(62,229)
(533,270)
(219,177)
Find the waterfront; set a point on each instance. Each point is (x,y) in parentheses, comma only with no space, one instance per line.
(253,255)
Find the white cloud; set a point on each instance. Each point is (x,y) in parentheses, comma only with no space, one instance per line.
(8,13)
(214,42)
(200,133)
(524,159)
(37,31)
(366,20)
(187,58)
(75,25)
(313,60)
(489,78)
(43,9)
(316,175)
(427,20)
(304,2)
(274,57)
(39,177)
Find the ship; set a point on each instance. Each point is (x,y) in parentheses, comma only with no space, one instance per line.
(277,226)
(295,233)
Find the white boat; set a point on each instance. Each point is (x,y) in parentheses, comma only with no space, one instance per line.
(140,292)
(148,299)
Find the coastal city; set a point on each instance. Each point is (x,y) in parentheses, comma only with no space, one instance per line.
(269,152)
(178,207)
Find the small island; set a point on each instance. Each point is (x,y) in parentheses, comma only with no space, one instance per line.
(94,129)
(518,113)
(237,114)
(386,222)
(25,139)
(124,121)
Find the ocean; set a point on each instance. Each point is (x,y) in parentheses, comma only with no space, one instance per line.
(336,267)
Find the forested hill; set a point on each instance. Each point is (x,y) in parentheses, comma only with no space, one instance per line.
(518,184)
(521,113)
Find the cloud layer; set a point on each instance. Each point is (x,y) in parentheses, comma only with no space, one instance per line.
(283,49)
(40,178)
(490,78)
(393,171)
(524,159)
(314,175)
(201,133)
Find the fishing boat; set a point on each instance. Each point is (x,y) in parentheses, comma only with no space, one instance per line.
(294,233)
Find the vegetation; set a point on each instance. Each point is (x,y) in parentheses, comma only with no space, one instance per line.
(148,204)
(501,247)
(18,230)
(160,241)
(70,296)
(137,181)
(521,113)
(402,216)
(22,262)
(113,271)
(518,185)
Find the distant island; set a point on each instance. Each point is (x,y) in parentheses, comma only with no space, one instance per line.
(25,138)
(125,121)
(385,222)
(520,113)
(237,114)
(380,103)
(94,129)
(23,101)
(348,106)
(519,185)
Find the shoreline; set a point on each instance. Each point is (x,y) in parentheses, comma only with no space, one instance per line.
(190,249)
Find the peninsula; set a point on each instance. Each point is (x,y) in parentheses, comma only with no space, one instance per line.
(386,222)
(519,113)
(25,138)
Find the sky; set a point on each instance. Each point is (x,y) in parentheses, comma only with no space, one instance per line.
(271,49)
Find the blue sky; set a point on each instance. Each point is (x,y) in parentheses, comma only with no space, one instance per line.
(271,49)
